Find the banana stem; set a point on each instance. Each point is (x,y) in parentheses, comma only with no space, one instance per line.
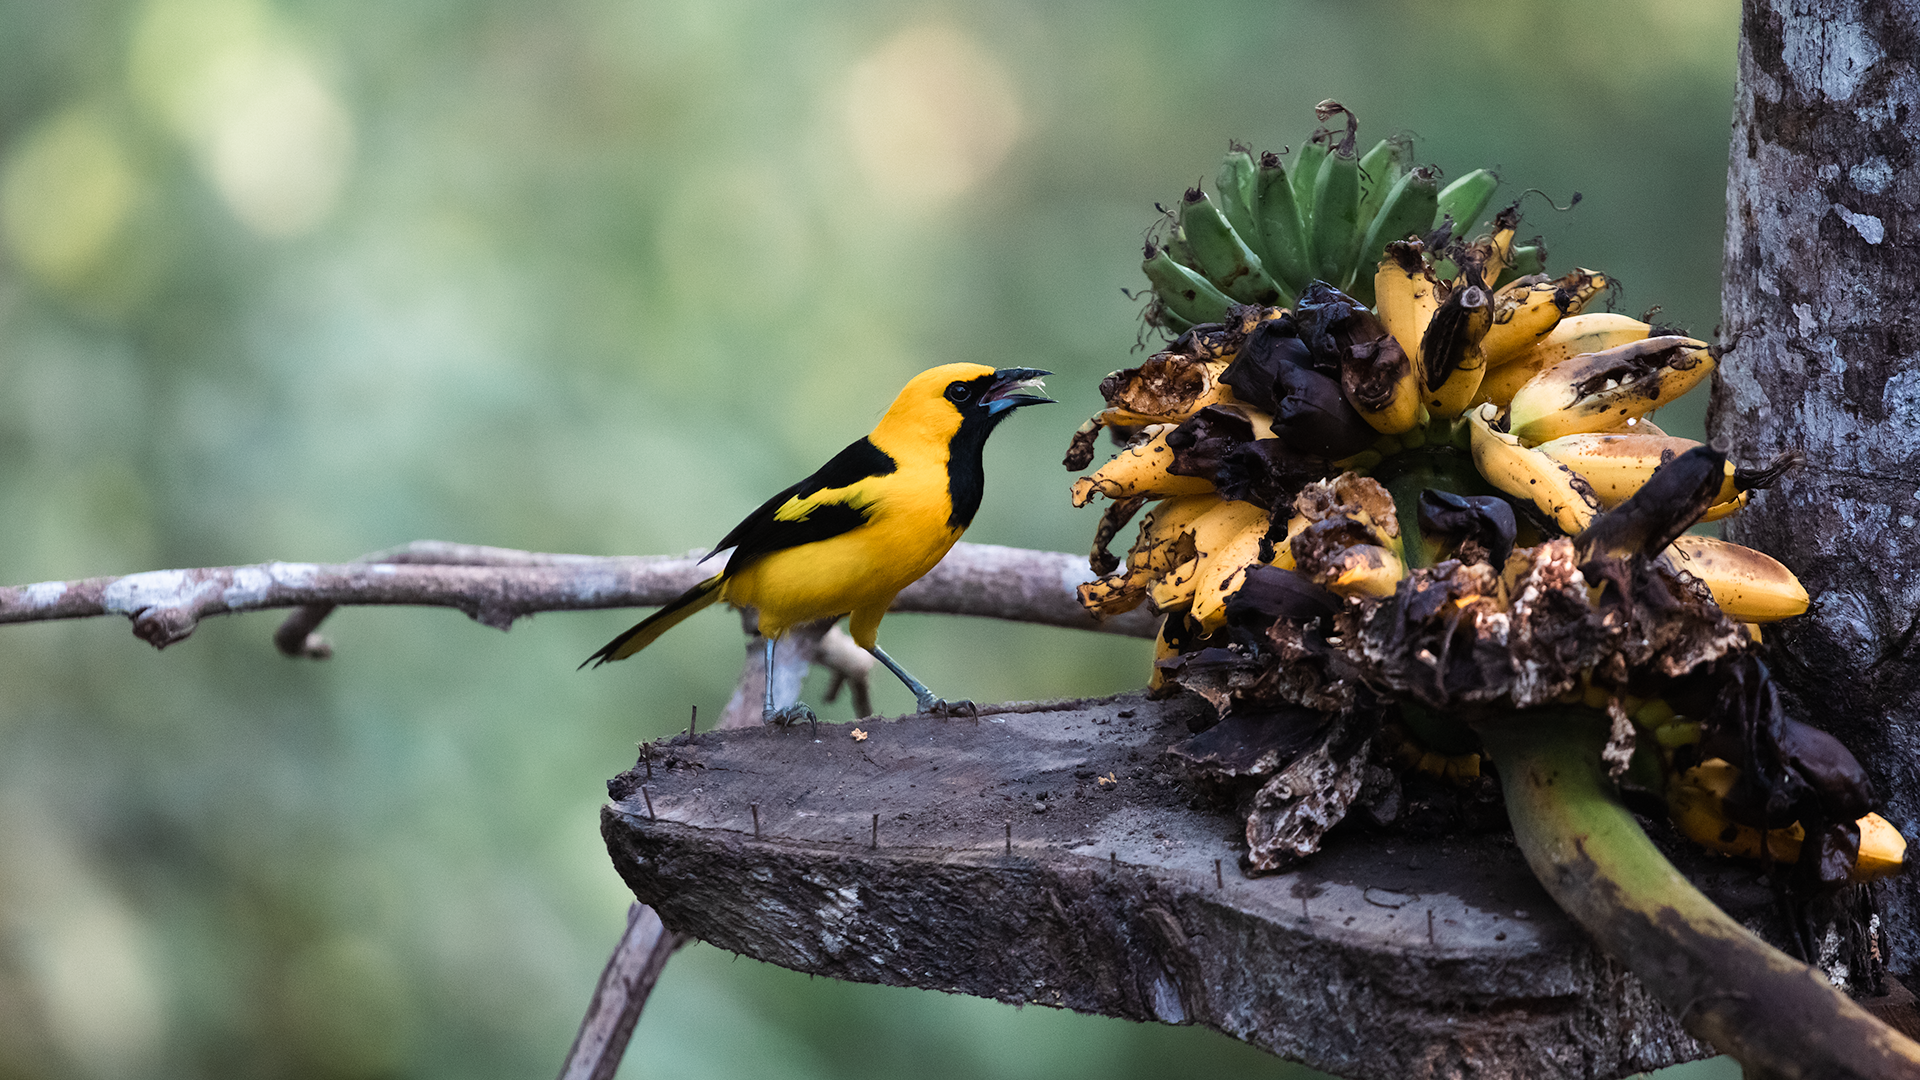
(1773,1014)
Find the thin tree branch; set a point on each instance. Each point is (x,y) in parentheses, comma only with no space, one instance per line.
(495,586)
(624,987)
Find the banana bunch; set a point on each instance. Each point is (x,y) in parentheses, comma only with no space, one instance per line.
(1273,227)
(1422,425)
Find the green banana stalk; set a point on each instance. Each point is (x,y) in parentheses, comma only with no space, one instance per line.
(1223,256)
(1464,201)
(1773,1014)
(1184,292)
(1283,243)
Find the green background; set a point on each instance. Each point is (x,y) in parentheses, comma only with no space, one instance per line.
(304,280)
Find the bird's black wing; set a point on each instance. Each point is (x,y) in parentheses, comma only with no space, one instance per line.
(822,506)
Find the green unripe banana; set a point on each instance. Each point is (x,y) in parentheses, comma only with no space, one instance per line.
(1464,201)
(1223,256)
(1237,184)
(1527,260)
(1182,291)
(1406,210)
(1380,169)
(1284,245)
(1305,171)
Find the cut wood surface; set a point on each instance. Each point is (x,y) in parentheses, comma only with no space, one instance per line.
(1044,854)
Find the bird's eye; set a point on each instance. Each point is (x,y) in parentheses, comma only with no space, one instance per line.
(959,392)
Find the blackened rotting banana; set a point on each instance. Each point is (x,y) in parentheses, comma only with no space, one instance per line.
(1254,374)
(1341,331)
(1080,447)
(1443,637)
(1117,516)
(1677,495)
(1789,771)
(1250,743)
(1315,417)
(1218,444)
(1470,528)
(1273,593)
(1450,334)
(1279,373)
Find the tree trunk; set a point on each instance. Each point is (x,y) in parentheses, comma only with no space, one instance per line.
(1822,256)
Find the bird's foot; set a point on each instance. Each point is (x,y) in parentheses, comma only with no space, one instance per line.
(942,707)
(796,713)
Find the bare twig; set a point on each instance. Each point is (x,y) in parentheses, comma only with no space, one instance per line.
(624,986)
(495,586)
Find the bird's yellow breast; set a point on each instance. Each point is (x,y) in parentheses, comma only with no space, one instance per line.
(906,534)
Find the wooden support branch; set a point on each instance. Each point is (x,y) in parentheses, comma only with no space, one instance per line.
(625,984)
(1042,854)
(495,586)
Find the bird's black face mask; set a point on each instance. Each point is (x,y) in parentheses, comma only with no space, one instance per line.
(983,402)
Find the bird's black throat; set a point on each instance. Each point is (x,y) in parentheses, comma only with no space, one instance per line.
(966,467)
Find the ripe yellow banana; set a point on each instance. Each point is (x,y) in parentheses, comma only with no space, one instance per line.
(1749,585)
(1527,310)
(1524,473)
(1616,464)
(1224,568)
(1596,391)
(1694,800)
(1173,593)
(1164,648)
(1575,335)
(1165,541)
(1405,297)
(1221,532)
(1499,250)
(1140,469)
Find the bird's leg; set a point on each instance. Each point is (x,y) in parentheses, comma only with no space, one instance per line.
(923,698)
(796,713)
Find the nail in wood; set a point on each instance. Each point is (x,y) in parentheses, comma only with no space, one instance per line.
(876,832)
(756,821)
(1219,879)
(690,722)
(1429,926)
(649,797)
(1113,860)
(1009,837)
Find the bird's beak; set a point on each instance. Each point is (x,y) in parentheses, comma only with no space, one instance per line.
(1010,389)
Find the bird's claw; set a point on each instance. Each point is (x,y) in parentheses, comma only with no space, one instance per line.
(796,713)
(943,707)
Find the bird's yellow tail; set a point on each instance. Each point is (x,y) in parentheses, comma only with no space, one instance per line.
(643,633)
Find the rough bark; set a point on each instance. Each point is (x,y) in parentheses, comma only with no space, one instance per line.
(1822,337)
(1045,855)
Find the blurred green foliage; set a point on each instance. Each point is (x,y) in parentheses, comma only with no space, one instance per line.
(302,280)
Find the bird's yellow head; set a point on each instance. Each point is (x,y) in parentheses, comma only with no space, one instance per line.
(940,403)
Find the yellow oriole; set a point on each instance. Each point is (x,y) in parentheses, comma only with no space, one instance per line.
(870,522)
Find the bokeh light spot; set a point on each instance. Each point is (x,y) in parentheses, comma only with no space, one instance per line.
(268,132)
(64,195)
(930,114)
